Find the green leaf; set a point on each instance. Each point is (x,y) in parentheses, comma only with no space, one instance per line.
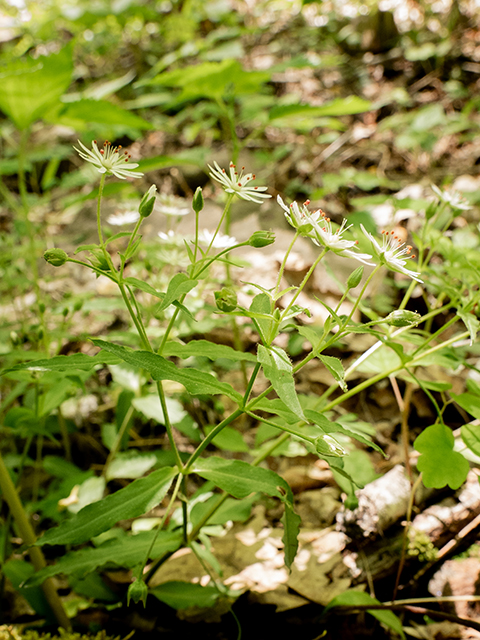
(131,464)
(261,305)
(334,427)
(240,479)
(195,382)
(230,509)
(66,363)
(439,463)
(352,598)
(229,440)
(120,552)
(183,595)
(206,349)
(469,402)
(178,285)
(18,572)
(151,408)
(291,523)
(134,500)
(30,87)
(144,286)
(81,113)
(277,368)
(338,107)
(335,367)
(471,437)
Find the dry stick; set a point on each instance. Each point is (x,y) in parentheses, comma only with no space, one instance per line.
(28,535)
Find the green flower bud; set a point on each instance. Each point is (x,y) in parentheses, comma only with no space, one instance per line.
(261,239)
(65,312)
(197,203)
(402,318)
(148,202)
(41,307)
(226,299)
(78,305)
(328,446)
(55,257)
(355,278)
(137,591)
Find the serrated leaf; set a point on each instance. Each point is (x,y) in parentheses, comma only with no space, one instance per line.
(178,285)
(206,349)
(183,595)
(439,463)
(195,382)
(66,363)
(352,598)
(335,367)
(124,552)
(277,368)
(134,500)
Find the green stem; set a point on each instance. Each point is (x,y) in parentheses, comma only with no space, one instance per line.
(26,531)
(214,432)
(284,264)
(118,439)
(303,283)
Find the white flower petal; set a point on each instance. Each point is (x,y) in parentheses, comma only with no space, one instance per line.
(392,253)
(237,183)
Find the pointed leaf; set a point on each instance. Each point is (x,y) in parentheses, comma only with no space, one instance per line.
(291,523)
(206,349)
(195,382)
(179,284)
(335,367)
(144,286)
(134,500)
(66,363)
(183,595)
(277,368)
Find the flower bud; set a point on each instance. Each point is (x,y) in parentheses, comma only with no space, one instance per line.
(355,278)
(137,591)
(328,446)
(148,202)
(197,203)
(55,257)
(402,318)
(261,239)
(226,299)
(41,307)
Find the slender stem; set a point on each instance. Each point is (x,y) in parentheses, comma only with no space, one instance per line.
(224,215)
(284,263)
(206,441)
(118,439)
(304,282)
(362,292)
(16,508)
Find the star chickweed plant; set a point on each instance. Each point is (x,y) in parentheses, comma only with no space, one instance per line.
(237,183)
(393,253)
(109,160)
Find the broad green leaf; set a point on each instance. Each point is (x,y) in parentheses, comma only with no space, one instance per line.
(81,113)
(471,437)
(230,509)
(469,402)
(240,479)
(338,107)
(66,363)
(277,407)
(30,87)
(277,368)
(314,337)
(131,464)
(291,524)
(205,349)
(439,463)
(352,598)
(134,500)
(195,382)
(178,285)
(120,552)
(336,369)
(183,595)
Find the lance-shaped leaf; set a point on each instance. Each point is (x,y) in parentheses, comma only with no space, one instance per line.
(195,382)
(134,500)
(122,552)
(66,363)
(206,349)
(179,284)
(277,368)
(335,367)
(240,479)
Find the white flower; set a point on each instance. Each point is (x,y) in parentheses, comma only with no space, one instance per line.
(123,217)
(332,239)
(108,160)
(220,242)
(392,251)
(172,205)
(235,183)
(452,198)
(171,237)
(300,217)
